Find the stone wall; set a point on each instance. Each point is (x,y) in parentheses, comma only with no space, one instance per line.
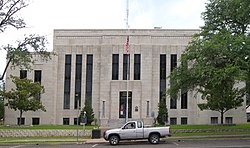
(43,133)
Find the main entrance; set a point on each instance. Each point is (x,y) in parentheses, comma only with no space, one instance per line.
(122,105)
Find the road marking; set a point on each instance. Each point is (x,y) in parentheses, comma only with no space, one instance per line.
(95,145)
(17,146)
(175,143)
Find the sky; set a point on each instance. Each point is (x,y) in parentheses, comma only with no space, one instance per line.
(43,16)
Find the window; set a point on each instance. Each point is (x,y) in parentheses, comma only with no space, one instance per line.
(147,108)
(184,120)
(22,122)
(38,76)
(38,79)
(23,74)
(126,67)
(214,120)
(35,121)
(103,109)
(139,124)
(89,73)
(130,125)
(173,121)
(173,102)
(162,75)
(75,121)
(115,67)
(137,67)
(184,99)
(229,120)
(78,81)
(67,81)
(65,121)
(173,62)
(173,98)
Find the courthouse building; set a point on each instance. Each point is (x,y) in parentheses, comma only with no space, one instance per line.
(92,64)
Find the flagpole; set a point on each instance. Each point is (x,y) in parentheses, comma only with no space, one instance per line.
(127,46)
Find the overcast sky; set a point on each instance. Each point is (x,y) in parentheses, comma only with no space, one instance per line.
(42,16)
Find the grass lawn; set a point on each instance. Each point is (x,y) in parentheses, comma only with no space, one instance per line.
(72,127)
(240,126)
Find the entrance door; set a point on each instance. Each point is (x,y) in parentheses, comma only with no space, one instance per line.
(122,107)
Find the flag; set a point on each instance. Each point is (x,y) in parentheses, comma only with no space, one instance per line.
(127,44)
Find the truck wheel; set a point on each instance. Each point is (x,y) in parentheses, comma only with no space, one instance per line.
(114,140)
(154,139)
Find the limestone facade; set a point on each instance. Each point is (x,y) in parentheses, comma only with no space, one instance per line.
(102,44)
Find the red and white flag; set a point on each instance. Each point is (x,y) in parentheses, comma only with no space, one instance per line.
(127,44)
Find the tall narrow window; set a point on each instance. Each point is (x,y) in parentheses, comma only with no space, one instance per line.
(23,74)
(38,79)
(78,81)
(89,72)
(147,108)
(126,67)
(38,76)
(173,61)
(173,98)
(162,75)
(137,67)
(115,67)
(184,100)
(103,109)
(67,81)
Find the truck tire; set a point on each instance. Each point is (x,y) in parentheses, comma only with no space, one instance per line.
(154,139)
(114,140)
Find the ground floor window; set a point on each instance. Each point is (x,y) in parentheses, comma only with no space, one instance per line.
(35,121)
(214,120)
(75,121)
(122,106)
(229,120)
(173,121)
(184,120)
(21,122)
(65,121)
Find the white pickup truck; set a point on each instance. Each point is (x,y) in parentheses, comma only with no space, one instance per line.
(134,130)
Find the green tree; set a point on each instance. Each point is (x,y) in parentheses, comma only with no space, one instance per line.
(217,57)
(162,111)
(89,112)
(22,98)
(19,54)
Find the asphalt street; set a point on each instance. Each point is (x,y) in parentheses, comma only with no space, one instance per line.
(211,143)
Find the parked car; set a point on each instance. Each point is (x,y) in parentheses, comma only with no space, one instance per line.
(134,130)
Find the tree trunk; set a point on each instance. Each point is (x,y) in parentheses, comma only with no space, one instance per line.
(20,117)
(221,117)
